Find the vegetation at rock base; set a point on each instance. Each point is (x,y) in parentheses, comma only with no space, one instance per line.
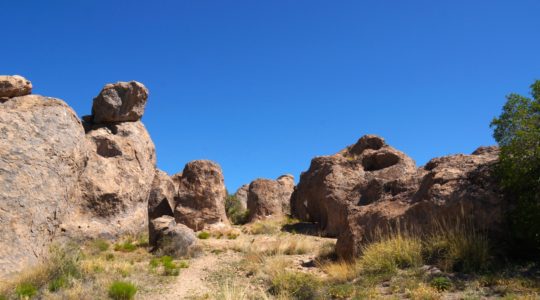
(517,130)
(235,212)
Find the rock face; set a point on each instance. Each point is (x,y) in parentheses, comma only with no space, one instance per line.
(269,198)
(356,176)
(120,102)
(370,187)
(14,86)
(242,195)
(201,195)
(169,238)
(42,154)
(161,202)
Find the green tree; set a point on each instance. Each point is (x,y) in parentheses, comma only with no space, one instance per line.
(517,130)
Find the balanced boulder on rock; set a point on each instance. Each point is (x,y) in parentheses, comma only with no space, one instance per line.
(120,102)
(14,86)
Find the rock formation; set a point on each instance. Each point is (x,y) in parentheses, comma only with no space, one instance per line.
(116,181)
(369,187)
(269,198)
(355,176)
(169,238)
(14,86)
(201,195)
(42,154)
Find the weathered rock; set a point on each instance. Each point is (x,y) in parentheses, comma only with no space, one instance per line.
(269,198)
(14,86)
(242,195)
(41,157)
(169,238)
(201,195)
(447,189)
(120,102)
(356,176)
(116,183)
(162,196)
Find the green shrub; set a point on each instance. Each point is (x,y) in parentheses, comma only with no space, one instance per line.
(126,246)
(57,283)
(26,290)
(396,251)
(203,235)
(235,211)
(341,291)
(183,264)
(121,290)
(298,285)
(100,245)
(441,283)
(517,130)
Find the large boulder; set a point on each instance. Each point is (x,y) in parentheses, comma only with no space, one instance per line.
(120,102)
(456,188)
(14,86)
(42,154)
(201,195)
(356,176)
(162,200)
(269,198)
(169,238)
(116,183)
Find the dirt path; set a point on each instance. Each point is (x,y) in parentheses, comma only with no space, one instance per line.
(193,281)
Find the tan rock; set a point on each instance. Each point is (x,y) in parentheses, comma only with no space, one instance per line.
(14,86)
(269,198)
(169,238)
(201,195)
(41,157)
(242,195)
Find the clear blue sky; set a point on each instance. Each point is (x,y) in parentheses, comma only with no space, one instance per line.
(261,87)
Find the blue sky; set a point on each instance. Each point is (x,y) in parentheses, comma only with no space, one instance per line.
(261,87)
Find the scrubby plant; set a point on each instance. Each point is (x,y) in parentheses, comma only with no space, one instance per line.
(26,290)
(203,235)
(57,283)
(126,246)
(270,226)
(121,290)
(441,283)
(235,211)
(517,130)
(457,246)
(100,245)
(395,251)
(341,291)
(298,285)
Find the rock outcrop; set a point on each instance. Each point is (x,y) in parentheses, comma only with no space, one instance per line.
(14,86)
(42,154)
(356,176)
(201,195)
(269,198)
(169,238)
(120,102)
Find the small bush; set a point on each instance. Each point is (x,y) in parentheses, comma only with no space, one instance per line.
(441,283)
(232,235)
(271,226)
(341,291)
(126,246)
(121,290)
(235,211)
(26,290)
(183,264)
(100,245)
(396,251)
(57,283)
(203,235)
(423,292)
(299,285)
